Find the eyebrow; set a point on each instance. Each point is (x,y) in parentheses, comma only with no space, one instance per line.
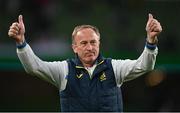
(87,41)
(83,41)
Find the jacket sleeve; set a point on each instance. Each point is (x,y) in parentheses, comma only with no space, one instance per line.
(126,70)
(52,72)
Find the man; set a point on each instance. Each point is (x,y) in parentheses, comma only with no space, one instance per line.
(89,82)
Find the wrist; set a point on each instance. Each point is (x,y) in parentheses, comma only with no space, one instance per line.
(152,41)
(21,44)
(151,46)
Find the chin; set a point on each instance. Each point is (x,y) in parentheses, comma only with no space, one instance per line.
(92,59)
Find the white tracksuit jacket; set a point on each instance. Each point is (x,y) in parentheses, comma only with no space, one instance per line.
(55,72)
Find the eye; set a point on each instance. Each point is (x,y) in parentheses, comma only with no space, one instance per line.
(83,43)
(93,42)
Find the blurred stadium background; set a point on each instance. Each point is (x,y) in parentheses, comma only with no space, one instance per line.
(49,24)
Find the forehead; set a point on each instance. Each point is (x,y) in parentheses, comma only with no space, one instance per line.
(86,34)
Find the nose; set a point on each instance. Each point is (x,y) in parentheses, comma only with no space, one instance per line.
(89,46)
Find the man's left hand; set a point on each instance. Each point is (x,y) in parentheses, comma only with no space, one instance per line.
(153,28)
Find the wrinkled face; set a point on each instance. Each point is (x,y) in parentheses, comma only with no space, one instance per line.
(86,45)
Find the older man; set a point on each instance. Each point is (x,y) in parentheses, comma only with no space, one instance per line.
(88,82)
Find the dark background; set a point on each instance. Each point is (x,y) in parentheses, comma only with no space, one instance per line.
(49,24)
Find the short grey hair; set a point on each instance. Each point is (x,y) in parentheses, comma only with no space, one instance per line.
(80,27)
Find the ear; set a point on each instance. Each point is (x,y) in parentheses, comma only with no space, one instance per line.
(74,47)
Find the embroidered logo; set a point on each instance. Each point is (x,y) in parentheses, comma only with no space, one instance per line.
(102,77)
(79,76)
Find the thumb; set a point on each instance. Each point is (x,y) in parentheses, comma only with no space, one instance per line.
(20,20)
(21,24)
(150,16)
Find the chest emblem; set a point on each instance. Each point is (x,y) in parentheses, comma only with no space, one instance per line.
(102,77)
(79,76)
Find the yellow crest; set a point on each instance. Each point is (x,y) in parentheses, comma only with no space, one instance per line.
(102,77)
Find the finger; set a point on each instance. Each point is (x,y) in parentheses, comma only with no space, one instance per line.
(20,19)
(21,24)
(15,24)
(158,28)
(154,24)
(11,34)
(152,28)
(150,16)
(149,25)
(12,31)
(14,27)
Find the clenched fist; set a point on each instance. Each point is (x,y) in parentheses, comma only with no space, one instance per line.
(153,28)
(17,30)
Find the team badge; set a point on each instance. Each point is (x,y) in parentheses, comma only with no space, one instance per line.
(102,77)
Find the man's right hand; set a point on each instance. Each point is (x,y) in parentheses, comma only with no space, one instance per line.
(17,30)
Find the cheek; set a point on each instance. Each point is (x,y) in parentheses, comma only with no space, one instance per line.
(97,49)
(79,51)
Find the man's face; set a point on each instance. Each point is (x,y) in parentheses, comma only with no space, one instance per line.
(86,45)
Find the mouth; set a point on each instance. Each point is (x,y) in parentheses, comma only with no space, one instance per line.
(90,54)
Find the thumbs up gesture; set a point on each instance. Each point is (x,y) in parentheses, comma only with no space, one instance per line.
(153,29)
(17,30)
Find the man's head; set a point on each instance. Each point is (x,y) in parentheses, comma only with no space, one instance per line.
(85,43)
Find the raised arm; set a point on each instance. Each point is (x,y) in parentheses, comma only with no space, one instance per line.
(52,72)
(126,70)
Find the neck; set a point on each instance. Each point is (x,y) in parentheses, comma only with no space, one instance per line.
(85,64)
(88,64)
